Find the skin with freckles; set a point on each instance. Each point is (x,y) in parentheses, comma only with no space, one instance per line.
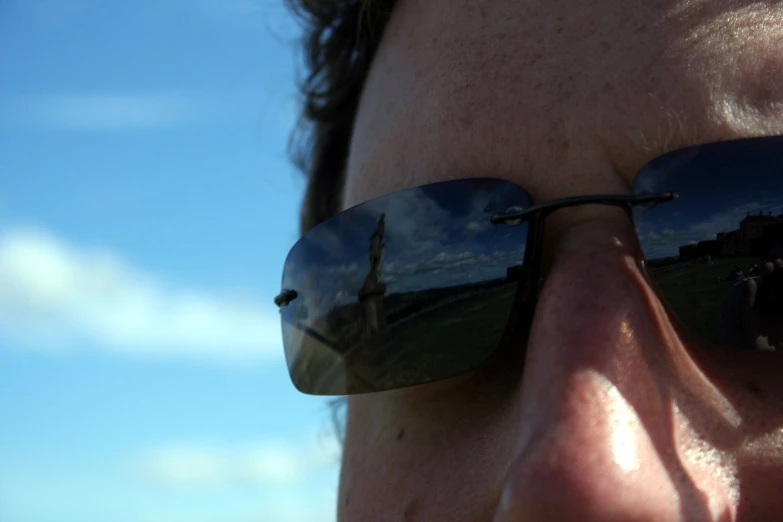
(610,412)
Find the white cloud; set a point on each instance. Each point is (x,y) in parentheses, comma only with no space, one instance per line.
(140,486)
(415,219)
(300,506)
(724,221)
(213,466)
(112,111)
(53,294)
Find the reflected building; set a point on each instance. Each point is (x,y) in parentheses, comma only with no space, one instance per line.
(731,243)
(773,238)
(372,291)
(757,235)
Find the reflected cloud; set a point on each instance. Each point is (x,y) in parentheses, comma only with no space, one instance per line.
(660,241)
(476,227)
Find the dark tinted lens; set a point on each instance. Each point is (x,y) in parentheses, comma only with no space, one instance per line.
(712,251)
(405,289)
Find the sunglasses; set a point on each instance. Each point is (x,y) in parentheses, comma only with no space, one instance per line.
(433,282)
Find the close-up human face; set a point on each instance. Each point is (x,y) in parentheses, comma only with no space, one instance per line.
(606,409)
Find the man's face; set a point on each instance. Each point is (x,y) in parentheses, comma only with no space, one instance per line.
(615,415)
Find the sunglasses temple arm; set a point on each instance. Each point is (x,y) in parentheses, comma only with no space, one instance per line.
(628,201)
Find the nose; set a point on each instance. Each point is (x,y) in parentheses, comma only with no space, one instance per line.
(602,437)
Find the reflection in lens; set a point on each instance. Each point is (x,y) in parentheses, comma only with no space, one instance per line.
(405,289)
(714,252)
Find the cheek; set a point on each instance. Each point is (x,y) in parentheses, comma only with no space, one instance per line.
(743,422)
(760,480)
(750,382)
(436,452)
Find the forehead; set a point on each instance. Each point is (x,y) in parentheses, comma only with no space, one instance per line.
(561,97)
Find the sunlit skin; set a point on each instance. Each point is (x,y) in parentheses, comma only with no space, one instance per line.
(617,414)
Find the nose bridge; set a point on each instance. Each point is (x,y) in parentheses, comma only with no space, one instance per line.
(537,256)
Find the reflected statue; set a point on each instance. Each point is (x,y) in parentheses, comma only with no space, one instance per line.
(372,291)
(377,247)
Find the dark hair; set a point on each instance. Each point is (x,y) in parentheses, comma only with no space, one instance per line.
(339,43)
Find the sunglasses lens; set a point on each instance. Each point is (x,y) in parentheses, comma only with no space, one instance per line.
(714,252)
(405,289)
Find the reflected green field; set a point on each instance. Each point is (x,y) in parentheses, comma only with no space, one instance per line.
(446,340)
(454,337)
(696,295)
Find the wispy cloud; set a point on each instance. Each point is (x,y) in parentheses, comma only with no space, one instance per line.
(290,480)
(211,466)
(54,294)
(111,111)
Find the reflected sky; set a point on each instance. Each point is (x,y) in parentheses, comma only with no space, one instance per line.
(718,186)
(437,235)
(440,235)
(381,286)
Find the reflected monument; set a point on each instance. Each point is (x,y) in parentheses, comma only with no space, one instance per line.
(372,291)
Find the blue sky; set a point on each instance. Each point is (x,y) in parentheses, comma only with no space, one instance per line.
(146,207)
